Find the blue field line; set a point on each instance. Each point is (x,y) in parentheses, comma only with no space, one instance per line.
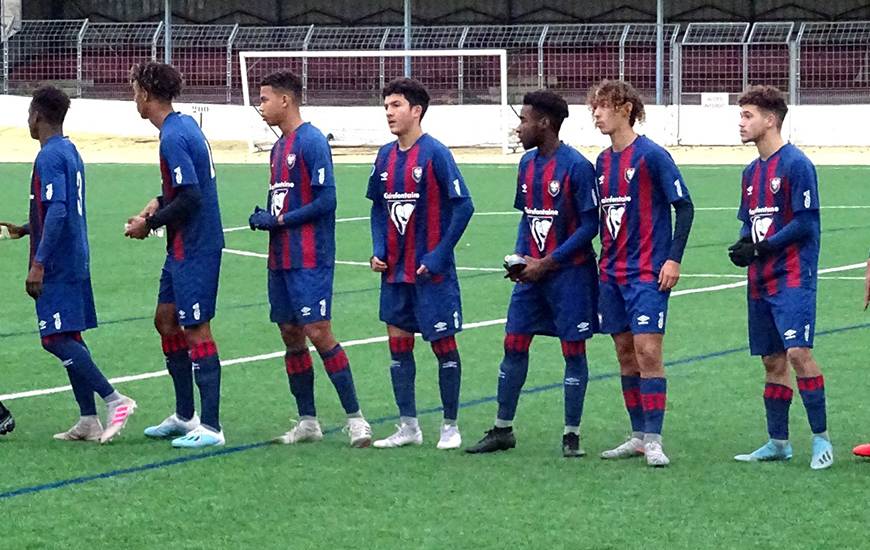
(382,420)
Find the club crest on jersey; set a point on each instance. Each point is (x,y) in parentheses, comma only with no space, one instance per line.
(775,184)
(554,187)
(400,214)
(278,198)
(629,173)
(291,160)
(540,228)
(613,217)
(417,173)
(760,227)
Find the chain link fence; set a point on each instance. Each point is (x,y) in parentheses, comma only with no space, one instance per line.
(812,62)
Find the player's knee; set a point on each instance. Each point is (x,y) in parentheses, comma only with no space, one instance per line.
(775,365)
(801,359)
(165,324)
(317,332)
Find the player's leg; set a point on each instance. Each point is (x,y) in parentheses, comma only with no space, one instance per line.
(7,422)
(300,376)
(177,357)
(88,427)
(397,311)
(764,340)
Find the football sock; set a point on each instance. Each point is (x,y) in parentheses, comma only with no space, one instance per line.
(631,396)
(410,421)
(207,373)
(571,430)
(403,372)
(512,374)
(777,400)
(812,390)
(181,371)
(575,381)
(449,375)
(301,377)
(69,348)
(653,398)
(83,393)
(338,368)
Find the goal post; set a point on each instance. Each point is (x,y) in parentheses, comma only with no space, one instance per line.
(468,88)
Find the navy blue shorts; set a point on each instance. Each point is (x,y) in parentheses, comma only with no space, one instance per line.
(563,305)
(191,285)
(300,296)
(785,320)
(639,308)
(66,307)
(433,309)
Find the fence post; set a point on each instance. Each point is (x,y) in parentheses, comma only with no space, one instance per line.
(305,65)
(382,65)
(541,56)
(460,66)
(154,40)
(622,40)
(79,40)
(5,64)
(230,62)
(796,74)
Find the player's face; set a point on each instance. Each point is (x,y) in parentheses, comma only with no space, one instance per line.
(401,116)
(754,123)
(140,97)
(608,119)
(529,131)
(273,106)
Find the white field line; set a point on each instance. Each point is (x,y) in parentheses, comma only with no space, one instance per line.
(364,341)
(516,213)
(346,262)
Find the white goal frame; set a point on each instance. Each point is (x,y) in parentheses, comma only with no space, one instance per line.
(350,54)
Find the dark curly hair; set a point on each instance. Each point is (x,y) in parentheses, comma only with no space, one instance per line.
(549,104)
(158,79)
(51,103)
(284,80)
(616,93)
(413,91)
(766,98)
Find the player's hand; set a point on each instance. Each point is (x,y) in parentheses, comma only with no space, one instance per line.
(33,285)
(262,220)
(15,231)
(867,286)
(136,228)
(669,275)
(377,264)
(150,209)
(536,269)
(423,271)
(742,252)
(513,264)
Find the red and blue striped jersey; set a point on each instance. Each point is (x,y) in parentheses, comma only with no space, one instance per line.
(773,191)
(185,159)
(59,176)
(636,187)
(552,192)
(301,162)
(412,191)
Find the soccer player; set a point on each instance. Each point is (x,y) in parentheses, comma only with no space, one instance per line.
(59,279)
(779,242)
(7,422)
(420,208)
(300,219)
(557,290)
(188,208)
(638,183)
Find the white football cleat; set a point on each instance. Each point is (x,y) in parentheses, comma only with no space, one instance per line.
(88,428)
(172,426)
(404,435)
(655,456)
(198,438)
(450,437)
(632,447)
(359,431)
(303,430)
(117,414)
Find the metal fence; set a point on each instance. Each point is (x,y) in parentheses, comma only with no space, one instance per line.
(813,62)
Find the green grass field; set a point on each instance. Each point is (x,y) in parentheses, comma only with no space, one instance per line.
(136,493)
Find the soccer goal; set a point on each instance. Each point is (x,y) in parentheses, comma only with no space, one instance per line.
(342,93)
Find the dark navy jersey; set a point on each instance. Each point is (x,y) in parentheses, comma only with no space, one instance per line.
(301,162)
(59,177)
(636,188)
(412,190)
(551,193)
(773,191)
(185,159)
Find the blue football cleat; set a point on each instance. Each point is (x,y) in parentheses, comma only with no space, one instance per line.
(767,452)
(823,453)
(198,438)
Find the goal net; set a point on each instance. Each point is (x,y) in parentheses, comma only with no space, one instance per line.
(342,94)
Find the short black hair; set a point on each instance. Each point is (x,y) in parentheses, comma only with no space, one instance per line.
(413,91)
(160,80)
(51,103)
(284,80)
(766,98)
(549,104)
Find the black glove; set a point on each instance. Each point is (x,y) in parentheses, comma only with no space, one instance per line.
(742,252)
(262,219)
(764,249)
